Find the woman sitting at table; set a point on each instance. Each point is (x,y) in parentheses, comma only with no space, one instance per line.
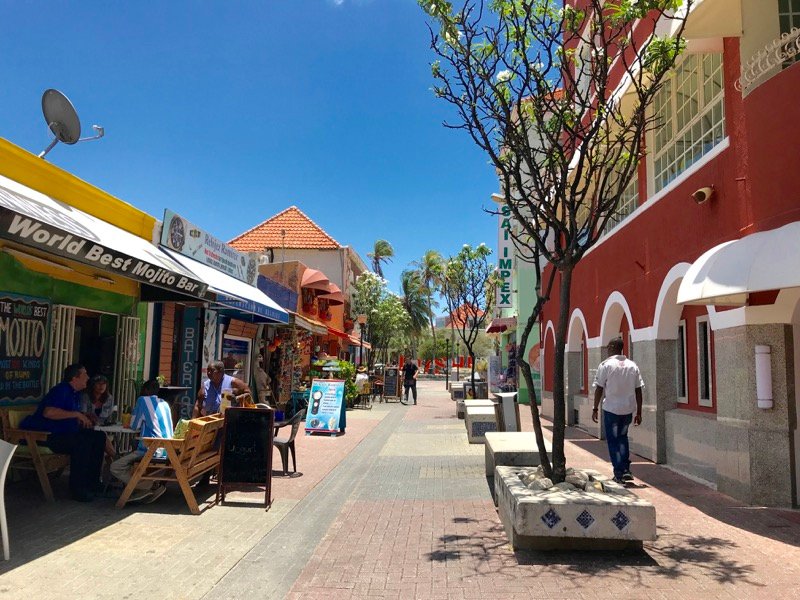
(97,403)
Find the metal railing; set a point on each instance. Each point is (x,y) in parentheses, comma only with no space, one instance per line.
(779,52)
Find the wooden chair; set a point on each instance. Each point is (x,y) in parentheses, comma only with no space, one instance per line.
(187,459)
(30,455)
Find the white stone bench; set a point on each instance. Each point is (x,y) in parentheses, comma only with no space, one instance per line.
(512,449)
(479,420)
(574,519)
(462,405)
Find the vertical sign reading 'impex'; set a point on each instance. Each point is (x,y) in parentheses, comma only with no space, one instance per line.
(505,257)
(23,347)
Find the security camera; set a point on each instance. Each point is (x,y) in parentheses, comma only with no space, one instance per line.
(703,194)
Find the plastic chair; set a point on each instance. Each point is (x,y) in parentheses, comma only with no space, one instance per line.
(6,452)
(284,445)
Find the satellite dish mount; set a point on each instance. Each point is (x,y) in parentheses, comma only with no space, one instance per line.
(63,121)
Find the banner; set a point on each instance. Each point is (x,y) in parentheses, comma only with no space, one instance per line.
(23,347)
(325,405)
(186,238)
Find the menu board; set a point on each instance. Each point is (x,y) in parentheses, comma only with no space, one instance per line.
(325,406)
(23,347)
(391,382)
(247,450)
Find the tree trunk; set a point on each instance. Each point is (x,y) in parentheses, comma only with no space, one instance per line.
(472,373)
(559,399)
(525,367)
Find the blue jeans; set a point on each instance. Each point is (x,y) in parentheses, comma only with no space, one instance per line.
(617,437)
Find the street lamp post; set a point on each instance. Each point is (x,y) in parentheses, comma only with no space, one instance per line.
(362,320)
(446,363)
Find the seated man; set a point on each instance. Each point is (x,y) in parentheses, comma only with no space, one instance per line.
(59,413)
(152,417)
(209,397)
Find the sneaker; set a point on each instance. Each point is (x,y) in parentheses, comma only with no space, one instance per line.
(82,496)
(618,480)
(627,476)
(139,494)
(155,493)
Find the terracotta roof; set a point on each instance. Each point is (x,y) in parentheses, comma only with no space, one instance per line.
(301,232)
(461,315)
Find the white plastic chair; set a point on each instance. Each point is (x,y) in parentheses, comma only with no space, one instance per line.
(6,452)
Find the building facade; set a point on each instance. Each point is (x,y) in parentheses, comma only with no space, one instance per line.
(698,272)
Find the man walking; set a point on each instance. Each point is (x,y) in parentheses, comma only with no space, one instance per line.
(619,378)
(410,379)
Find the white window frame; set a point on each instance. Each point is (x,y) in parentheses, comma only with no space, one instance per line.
(676,161)
(628,202)
(706,402)
(682,341)
(788,19)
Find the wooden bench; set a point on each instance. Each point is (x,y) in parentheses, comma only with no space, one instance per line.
(30,455)
(187,459)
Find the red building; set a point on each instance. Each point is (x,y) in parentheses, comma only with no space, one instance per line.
(701,272)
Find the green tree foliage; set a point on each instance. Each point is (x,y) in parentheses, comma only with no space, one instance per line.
(558,98)
(467,293)
(382,252)
(388,323)
(431,272)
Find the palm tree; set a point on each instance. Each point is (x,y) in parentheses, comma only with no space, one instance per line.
(431,271)
(382,252)
(413,298)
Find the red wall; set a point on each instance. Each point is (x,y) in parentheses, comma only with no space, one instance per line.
(755,190)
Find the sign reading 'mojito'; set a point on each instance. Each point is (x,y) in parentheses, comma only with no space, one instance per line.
(34,220)
(23,347)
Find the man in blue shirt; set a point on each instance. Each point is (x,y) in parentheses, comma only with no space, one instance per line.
(59,413)
(153,418)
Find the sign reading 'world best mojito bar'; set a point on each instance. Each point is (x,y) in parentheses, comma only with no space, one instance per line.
(37,221)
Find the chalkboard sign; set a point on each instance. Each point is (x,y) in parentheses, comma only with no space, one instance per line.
(23,347)
(391,382)
(247,450)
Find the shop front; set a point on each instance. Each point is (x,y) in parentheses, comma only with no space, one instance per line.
(231,322)
(71,287)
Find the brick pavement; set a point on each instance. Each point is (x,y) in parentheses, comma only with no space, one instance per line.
(68,549)
(421,524)
(397,508)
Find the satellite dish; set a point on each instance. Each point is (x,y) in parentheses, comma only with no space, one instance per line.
(63,121)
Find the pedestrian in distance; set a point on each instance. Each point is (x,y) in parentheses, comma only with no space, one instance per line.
(410,371)
(619,380)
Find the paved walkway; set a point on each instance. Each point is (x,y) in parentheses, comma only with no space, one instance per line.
(397,508)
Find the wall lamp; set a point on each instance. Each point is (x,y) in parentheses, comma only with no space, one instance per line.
(764,376)
(704,194)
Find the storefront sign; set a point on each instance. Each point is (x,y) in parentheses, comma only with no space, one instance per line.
(188,361)
(236,356)
(23,347)
(325,405)
(60,230)
(505,258)
(184,237)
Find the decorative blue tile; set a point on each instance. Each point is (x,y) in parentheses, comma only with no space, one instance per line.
(551,518)
(621,520)
(585,519)
(479,428)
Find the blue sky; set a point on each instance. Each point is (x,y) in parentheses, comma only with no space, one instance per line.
(228,112)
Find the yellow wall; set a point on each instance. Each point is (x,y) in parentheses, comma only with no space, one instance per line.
(28,169)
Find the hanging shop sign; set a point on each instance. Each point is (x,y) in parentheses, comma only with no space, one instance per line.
(505,258)
(186,238)
(37,221)
(188,362)
(23,347)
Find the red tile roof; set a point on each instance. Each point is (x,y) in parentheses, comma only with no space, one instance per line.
(300,232)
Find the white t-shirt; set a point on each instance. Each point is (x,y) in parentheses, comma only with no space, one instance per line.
(619,377)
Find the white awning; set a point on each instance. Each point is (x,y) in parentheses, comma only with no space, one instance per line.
(726,274)
(232,292)
(38,221)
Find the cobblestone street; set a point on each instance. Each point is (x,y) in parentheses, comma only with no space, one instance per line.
(399,507)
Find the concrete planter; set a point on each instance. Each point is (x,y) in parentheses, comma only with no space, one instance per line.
(559,519)
(512,449)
